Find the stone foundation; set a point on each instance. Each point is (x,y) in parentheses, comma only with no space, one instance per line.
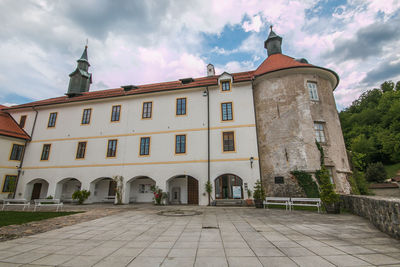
(384,213)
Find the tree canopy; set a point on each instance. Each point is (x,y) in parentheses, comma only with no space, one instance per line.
(371,124)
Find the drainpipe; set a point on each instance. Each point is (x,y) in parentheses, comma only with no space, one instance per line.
(23,154)
(208,142)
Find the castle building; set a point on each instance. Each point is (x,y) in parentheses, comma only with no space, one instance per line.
(230,129)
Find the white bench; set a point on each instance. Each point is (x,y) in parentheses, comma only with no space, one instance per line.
(16,202)
(305,202)
(277,201)
(48,203)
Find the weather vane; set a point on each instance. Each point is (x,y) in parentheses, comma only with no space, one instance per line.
(87,42)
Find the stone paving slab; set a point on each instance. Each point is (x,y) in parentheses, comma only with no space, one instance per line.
(219,237)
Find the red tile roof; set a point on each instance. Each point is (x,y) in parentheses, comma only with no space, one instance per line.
(9,127)
(278,62)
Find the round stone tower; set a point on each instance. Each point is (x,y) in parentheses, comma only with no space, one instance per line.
(295,106)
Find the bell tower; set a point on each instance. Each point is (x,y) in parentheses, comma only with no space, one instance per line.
(80,79)
(273,44)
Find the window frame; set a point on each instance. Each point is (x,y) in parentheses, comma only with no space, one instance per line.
(22,121)
(55,120)
(84,150)
(176,143)
(43,152)
(222,111)
(112,113)
(12,150)
(140,146)
(317,136)
(4,182)
(222,85)
(114,155)
(83,116)
(151,110)
(176,107)
(234,142)
(313,92)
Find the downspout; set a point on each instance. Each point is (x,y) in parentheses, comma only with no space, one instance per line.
(255,119)
(208,142)
(23,154)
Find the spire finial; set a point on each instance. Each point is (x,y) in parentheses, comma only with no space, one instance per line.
(87,42)
(271,27)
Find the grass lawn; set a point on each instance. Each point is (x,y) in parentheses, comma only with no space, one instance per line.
(392,169)
(20,217)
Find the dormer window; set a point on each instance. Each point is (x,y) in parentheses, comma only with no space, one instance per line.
(225,85)
(225,82)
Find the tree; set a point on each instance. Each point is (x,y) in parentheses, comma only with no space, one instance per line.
(376,173)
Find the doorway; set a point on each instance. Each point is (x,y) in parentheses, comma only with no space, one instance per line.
(37,187)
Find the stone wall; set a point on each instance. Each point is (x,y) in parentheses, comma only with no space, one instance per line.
(383,212)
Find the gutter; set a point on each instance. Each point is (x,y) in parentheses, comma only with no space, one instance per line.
(208,143)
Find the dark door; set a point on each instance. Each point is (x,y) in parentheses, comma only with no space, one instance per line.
(36,191)
(112,188)
(193,191)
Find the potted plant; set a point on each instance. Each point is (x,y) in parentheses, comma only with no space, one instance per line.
(81,196)
(158,194)
(259,194)
(249,200)
(329,198)
(208,188)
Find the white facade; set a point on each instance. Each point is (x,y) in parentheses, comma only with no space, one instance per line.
(62,173)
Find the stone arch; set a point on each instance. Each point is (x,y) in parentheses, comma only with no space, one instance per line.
(137,189)
(66,187)
(227,186)
(183,189)
(102,189)
(36,188)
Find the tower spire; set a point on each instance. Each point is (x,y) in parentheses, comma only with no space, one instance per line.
(273,44)
(80,79)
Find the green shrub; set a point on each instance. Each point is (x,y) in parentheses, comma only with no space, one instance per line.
(361,182)
(259,192)
(328,194)
(81,196)
(307,183)
(376,173)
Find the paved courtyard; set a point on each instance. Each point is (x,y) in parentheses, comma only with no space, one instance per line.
(216,237)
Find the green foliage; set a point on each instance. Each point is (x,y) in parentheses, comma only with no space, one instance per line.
(20,217)
(361,182)
(259,192)
(359,185)
(392,170)
(371,125)
(328,194)
(158,194)
(249,193)
(307,183)
(81,196)
(376,173)
(49,197)
(208,187)
(321,153)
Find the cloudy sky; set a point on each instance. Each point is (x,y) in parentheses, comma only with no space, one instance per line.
(138,42)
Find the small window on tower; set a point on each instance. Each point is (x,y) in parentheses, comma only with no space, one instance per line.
(312,89)
(319,132)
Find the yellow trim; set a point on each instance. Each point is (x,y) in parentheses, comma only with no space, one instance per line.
(77,147)
(151,111)
(176,107)
(90,117)
(140,142)
(4,182)
(180,154)
(20,117)
(222,116)
(234,142)
(9,155)
(145,133)
(230,85)
(116,148)
(55,122)
(48,156)
(136,163)
(9,167)
(119,116)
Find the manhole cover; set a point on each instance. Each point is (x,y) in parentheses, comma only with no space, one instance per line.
(178,213)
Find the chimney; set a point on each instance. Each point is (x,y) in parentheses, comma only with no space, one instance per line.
(210,70)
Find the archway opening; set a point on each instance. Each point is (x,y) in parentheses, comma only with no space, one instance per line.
(228,186)
(183,189)
(103,189)
(36,189)
(66,187)
(138,189)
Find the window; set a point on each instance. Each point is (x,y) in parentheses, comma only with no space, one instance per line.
(146,113)
(80,152)
(116,110)
(228,141)
(9,183)
(86,116)
(52,119)
(22,121)
(180,144)
(226,86)
(16,152)
(227,114)
(181,106)
(144,146)
(319,132)
(312,89)
(112,148)
(45,152)
(330,175)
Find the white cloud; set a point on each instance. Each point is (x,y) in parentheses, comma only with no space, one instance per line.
(253,25)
